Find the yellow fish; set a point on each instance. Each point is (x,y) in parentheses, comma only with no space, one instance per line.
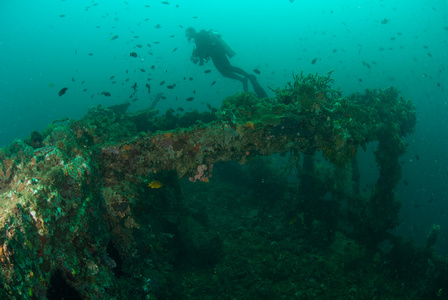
(293,220)
(155,184)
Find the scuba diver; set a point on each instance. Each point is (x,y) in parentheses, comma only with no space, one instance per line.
(209,44)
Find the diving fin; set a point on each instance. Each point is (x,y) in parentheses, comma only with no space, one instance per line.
(257,87)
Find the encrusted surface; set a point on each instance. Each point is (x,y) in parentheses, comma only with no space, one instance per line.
(81,190)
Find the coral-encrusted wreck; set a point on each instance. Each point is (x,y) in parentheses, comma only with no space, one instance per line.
(71,195)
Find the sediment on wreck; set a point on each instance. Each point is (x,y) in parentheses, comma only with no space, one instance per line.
(74,197)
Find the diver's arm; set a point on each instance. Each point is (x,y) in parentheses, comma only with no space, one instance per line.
(199,56)
(195,58)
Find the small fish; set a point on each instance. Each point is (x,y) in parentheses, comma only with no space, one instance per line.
(314,61)
(109,261)
(133,54)
(180,109)
(111,77)
(207,71)
(162,82)
(384,21)
(138,46)
(213,83)
(107,94)
(209,106)
(61,16)
(152,67)
(174,50)
(165,2)
(171,86)
(114,37)
(366,64)
(191,78)
(62,91)
(257,71)
(189,99)
(149,88)
(90,54)
(51,84)
(158,26)
(142,70)
(135,86)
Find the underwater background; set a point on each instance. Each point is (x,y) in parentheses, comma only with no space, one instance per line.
(48,43)
(85,46)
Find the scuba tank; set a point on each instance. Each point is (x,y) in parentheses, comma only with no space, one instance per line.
(229,52)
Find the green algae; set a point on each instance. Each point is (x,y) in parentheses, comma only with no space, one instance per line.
(76,202)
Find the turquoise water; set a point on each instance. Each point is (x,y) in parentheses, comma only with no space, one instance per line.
(48,45)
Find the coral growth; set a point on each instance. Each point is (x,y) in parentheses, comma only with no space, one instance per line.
(77,210)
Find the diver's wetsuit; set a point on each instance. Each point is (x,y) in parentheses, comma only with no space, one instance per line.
(208,47)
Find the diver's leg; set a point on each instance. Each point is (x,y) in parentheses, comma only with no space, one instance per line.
(234,76)
(257,87)
(239,71)
(222,64)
